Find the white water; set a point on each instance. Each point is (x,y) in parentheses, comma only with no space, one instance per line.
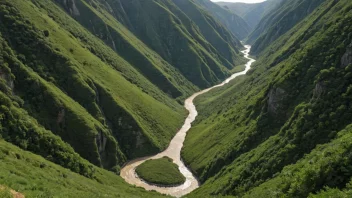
(174,149)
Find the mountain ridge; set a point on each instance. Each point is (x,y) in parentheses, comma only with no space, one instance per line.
(88,85)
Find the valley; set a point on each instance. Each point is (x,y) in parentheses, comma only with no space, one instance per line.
(176,144)
(175,98)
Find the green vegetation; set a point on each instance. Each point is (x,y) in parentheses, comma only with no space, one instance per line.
(238,68)
(180,38)
(161,172)
(86,85)
(233,22)
(283,130)
(5,192)
(252,13)
(33,176)
(278,22)
(74,94)
(82,86)
(96,85)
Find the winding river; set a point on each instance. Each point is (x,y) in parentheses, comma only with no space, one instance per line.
(174,149)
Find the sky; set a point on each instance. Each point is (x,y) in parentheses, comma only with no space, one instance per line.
(244,1)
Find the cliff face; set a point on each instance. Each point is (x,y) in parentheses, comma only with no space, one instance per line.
(347,56)
(275,98)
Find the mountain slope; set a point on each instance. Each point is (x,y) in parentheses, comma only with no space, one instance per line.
(84,90)
(252,13)
(34,176)
(106,28)
(214,32)
(278,22)
(234,23)
(73,74)
(168,31)
(297,97)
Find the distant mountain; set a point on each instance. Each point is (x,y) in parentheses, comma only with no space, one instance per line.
(279,21)
(237,25)
(252,13)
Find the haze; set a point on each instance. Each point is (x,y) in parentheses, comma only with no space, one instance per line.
(243,1)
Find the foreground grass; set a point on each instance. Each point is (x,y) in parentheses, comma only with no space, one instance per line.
(34,176)
(160,171)
(5,193)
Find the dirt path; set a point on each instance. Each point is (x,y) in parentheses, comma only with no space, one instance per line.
(174,149)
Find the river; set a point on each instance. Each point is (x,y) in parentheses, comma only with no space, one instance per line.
(175,146)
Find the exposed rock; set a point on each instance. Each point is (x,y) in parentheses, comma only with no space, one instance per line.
(101,142)
(71,7)
(61,116)
(318,90)
(275,98)
(8,79)
(347,57)
(139,139)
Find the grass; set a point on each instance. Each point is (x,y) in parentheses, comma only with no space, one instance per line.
(152,115)
(161,172)
(238,142)
(5,192)
(238,68)
(34,176)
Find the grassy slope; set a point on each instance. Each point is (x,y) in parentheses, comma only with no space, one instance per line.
(278,22)
(239,133)
(172,34)
(251,13)
(160,171)
(136,102)
(218,36)
(234,23)
(34,176)
(129,47)
(146,125)
(326,166)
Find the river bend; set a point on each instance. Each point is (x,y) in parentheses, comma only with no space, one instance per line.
(174,150)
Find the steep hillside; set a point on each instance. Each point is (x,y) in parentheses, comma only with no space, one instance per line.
(252,13)
(68,84)
(83,87)
(278,22)
(180,41)
(285,128)
(233,22)
(103,26)
(34,176)
(217,34)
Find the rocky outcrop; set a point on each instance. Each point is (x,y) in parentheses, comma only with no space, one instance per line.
(61,116)
(8,79)
(276,97)
(347,57)
(101,142)
(318,90)
(71,7)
